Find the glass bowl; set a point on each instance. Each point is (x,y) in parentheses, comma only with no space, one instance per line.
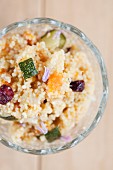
(94,113)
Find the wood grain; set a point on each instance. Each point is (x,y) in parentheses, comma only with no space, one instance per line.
(10,159)
(17,10)
(11,11)
(95,18)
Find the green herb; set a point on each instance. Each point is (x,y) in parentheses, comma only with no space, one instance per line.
(53,134)
(54,39)
(28,68)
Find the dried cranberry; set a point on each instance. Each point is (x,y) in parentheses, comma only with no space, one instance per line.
(77,86)
(45,101)
(6,94)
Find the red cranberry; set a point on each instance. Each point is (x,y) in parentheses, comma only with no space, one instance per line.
(77,86)
(6,94)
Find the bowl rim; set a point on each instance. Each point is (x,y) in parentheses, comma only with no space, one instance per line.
(100,60)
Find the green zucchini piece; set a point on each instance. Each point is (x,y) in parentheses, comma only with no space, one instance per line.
(54,39)
(53,134)
(10,118)
(62,40)
(28,68)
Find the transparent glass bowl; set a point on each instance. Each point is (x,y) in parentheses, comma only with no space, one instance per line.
(96,110)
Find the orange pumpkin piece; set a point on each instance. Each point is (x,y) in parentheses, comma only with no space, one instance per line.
(54,82)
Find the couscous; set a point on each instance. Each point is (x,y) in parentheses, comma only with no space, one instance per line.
(46,84)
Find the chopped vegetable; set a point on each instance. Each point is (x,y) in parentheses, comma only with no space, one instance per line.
(53,134)
(10,118)
(55,81)
(28,68)
(54,39)
(77,86)
(23,124)
(62,40)
(46,75)
(66,138)
(6,94)
(42,129)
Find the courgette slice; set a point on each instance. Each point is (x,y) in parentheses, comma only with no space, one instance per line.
(62,40)
(10,118)
(53,134)
(28,68)
(54,39)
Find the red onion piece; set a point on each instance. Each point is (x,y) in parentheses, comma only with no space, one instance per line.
(66,138)
(46,75)
(42,129)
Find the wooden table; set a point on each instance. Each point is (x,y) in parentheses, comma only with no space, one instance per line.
(95,18)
